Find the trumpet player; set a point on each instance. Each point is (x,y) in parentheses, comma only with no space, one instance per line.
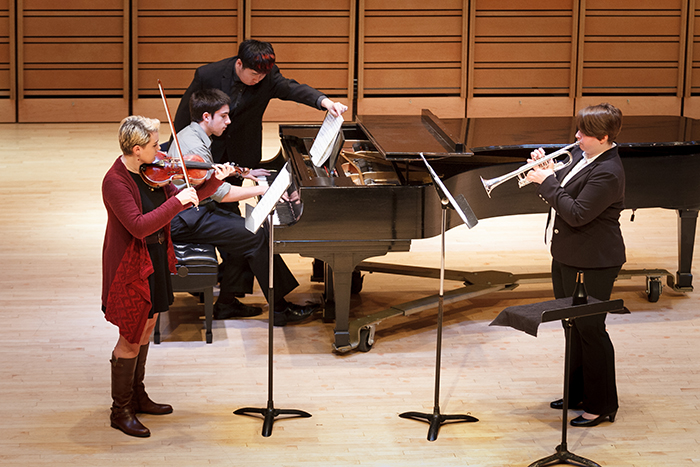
(584,234)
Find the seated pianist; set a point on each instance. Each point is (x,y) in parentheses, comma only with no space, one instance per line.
(226,229)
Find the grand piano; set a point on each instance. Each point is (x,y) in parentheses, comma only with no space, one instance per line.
(377,197)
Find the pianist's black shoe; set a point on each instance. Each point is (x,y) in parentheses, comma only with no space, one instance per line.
(559,403)
(294,313)
(235,309)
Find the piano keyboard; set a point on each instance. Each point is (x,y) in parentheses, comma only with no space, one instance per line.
(283,213)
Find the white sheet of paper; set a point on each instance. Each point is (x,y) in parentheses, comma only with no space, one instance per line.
(471,221)
(267,203)
(323,144)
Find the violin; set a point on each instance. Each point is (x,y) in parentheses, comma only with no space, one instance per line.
(165,169)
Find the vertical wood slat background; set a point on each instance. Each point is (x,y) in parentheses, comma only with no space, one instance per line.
(523,48)
(635,52)
(170,39)
(7,61)
(314,43)
(72,59)
(97,60)
(412,56)
(522,57)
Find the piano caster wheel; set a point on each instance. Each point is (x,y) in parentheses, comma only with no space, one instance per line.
(653,289)
(366,339)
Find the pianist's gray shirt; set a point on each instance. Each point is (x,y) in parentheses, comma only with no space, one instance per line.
(194,140)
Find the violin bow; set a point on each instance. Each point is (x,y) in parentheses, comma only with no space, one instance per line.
(174,133)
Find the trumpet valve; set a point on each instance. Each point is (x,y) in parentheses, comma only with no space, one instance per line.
(522,180)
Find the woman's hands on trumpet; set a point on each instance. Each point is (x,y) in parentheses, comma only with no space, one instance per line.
(539,173)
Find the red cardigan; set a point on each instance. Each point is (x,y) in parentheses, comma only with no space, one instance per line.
(126,263)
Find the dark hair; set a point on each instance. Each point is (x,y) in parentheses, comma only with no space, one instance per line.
(600,120)
(257,55)
(207,100)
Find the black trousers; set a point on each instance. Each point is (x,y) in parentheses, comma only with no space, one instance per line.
(240,276)
(226,231)
(592,379)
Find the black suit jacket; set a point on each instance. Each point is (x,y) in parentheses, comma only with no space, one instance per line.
(587,227)
(242,141)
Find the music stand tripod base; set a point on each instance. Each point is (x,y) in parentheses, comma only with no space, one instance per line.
(436,420)
(269,413)
(462,207)
(563,456)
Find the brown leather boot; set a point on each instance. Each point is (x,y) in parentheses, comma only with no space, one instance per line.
(122,416)
(140,401)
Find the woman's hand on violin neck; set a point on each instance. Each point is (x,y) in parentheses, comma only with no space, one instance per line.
(221,171)
(188,195)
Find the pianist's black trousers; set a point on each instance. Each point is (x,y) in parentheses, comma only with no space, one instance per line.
(241,276)
(226,231)
(592,379)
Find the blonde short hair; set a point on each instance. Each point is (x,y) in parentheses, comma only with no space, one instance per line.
(136,131)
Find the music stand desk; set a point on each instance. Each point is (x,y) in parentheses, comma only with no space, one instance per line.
(527,318)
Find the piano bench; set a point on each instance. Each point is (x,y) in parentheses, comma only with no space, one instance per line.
(197,270)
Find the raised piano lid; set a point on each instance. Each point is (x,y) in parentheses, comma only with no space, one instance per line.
(403,137)
(502,134)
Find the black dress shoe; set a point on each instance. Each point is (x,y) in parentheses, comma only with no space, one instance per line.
(559,403)
(580,421)
(235,309)
(294,313)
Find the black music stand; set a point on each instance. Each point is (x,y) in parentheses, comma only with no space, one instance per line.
(254,218)
(527,318)
(436,419)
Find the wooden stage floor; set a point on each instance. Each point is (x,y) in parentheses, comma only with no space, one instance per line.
(55,347)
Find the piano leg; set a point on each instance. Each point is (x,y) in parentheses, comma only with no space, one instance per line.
(687,223)
(342,283)
(342,266)
(341,258)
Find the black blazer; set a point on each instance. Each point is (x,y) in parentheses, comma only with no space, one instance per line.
(242,141)
(587,227)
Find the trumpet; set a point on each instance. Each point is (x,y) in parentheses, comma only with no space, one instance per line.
(521,173)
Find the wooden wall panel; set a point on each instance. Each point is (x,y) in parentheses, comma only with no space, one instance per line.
(691,95)
(170,39)
(632,48)
(72,54)
(7,61)
(410,52)
(411,48)
(522,57)
(523,48)
(98,60)
(314,44)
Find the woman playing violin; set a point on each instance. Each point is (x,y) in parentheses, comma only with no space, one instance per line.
(137,259)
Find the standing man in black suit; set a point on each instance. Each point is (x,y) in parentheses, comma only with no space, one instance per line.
(251,79)
(586,199)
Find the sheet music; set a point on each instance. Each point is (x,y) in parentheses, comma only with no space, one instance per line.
(256,216)
(262,181)
(460,204)
(323,144)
